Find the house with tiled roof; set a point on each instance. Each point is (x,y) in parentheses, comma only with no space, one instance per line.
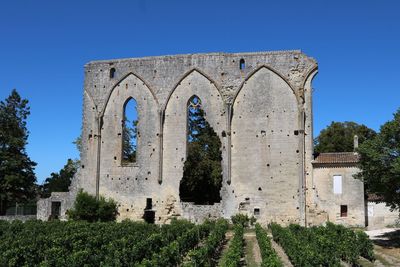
(342,197)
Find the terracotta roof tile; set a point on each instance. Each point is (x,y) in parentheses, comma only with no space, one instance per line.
(337,158)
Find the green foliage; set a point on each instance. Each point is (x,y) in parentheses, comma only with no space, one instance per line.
(339,137)
(59,181)
(202,171)
(17,178)
(268,254)
(202,255)
(232,256)
(172,254)
(380,163)
(56,243)
(243,220)
(88,208)
(322,246)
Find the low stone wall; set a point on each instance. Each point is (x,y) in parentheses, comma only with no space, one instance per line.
(18,217)
(380,216)
(199,213)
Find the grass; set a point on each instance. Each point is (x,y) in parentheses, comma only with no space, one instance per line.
(249,256)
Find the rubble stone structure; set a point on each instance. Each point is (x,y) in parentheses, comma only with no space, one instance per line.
(259,104)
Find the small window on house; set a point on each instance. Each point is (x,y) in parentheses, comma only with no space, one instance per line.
(343,210)
(129,132)
(112,73)
(337,184)
(242,64)
(256,211)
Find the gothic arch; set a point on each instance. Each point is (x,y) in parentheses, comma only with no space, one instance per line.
(265,142)
(121,81)
(252,73)
(193,83)
(188,73)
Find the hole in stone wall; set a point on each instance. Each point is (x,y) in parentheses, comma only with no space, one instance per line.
(296,132)
(112,73)
(256,211)
(149,213)
(242,64)
(259,189)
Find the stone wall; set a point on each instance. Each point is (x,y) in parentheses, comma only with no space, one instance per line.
(259,104)
(199,213)
(44,209)
(380,216)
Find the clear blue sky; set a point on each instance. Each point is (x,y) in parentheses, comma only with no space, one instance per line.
(44,45)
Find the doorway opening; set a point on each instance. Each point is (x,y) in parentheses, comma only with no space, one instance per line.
(55,210)
(149,213)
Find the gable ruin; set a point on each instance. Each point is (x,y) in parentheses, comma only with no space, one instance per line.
(259,104)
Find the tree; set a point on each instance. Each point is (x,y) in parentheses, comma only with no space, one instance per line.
(78,143)
(129,141)
(17,177)
(88,208)
(59,181)
(202,171)
(339,137)
(380,163)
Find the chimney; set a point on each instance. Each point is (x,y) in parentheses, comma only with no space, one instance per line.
(355,142)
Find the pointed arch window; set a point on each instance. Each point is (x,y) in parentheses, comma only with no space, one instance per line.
(242,64)
(112,73)
(129,132)
(202,171)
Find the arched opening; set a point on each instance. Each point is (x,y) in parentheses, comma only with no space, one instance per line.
(129,132)
(112,73)
(242,64)
(202,171)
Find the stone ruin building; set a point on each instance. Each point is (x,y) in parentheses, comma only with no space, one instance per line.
(259,104)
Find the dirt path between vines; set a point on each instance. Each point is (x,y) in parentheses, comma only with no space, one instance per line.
(252,250)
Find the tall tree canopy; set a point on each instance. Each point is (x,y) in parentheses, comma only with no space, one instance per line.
(17,177)
(380,163)
(339,137)
(60,181)
(202,171)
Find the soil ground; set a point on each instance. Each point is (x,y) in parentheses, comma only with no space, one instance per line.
(252,250)
(386,247)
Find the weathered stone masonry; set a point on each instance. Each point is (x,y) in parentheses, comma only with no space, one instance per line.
(258,103)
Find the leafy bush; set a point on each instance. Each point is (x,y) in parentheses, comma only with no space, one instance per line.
(232,256)
(243,220)
(88,208)
(268,254)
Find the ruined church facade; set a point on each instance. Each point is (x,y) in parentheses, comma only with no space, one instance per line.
(259,104)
